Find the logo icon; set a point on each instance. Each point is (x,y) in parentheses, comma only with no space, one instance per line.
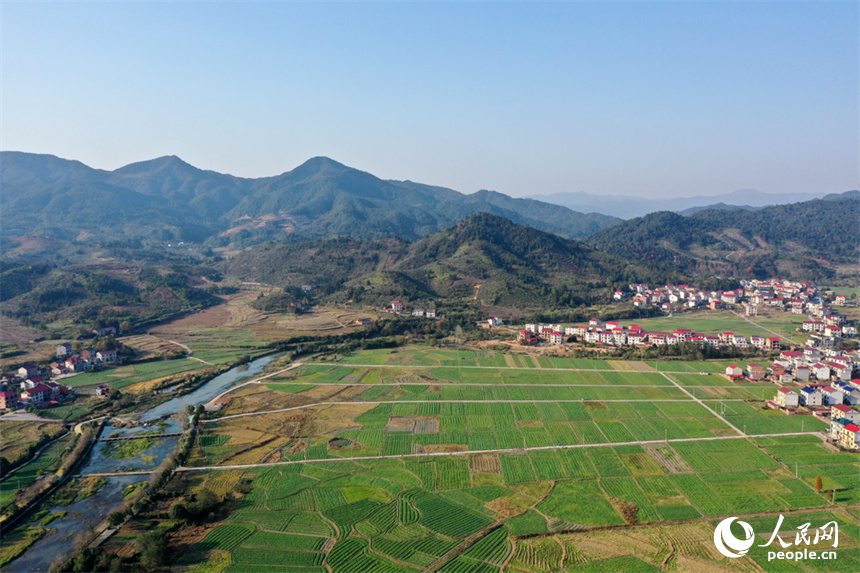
(727,543)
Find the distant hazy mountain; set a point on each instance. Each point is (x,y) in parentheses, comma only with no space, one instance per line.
(815,239)
(627,207)
(168,199)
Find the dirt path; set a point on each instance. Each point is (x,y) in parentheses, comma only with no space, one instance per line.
(501,451)
(765,328)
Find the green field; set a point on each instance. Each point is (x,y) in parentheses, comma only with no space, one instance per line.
(522,451)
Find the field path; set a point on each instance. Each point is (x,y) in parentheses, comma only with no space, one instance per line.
(189,353)
(746,318)
(498,450)
(380,402)
(703,405)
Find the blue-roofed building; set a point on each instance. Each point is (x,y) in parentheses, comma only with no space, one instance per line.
(811,397)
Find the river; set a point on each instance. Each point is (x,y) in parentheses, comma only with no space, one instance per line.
(89,512)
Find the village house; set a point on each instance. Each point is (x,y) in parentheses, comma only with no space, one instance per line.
(820,371)
(28,370)
(801,373)
(755,372)
(37,394)
(8,400)
(108,356)
(397,306)
(810,397)
(772,343)
(733,371)
(786,398)
(64,349)
(556,337)
(840,300)
(832,395)
(842,411)
(849,440)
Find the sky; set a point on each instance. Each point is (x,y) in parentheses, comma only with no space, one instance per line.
(635,98)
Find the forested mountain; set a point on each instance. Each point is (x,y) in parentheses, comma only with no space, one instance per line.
(627,207)
(812,240)
(485,257)
(166,199)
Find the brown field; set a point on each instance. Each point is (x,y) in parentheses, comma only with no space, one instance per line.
(237,313)
(17,436)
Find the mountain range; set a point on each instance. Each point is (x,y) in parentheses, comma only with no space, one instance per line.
(813,240)
(166,199)
(628,207)
(484,258)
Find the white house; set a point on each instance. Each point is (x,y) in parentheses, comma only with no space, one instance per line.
(786,398)
(734,371)
(810,397)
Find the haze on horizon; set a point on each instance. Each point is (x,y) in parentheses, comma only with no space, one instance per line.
(658,100)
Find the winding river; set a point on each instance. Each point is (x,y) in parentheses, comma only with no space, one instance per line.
(87,513)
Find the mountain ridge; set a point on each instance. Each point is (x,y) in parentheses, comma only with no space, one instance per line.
(318,198)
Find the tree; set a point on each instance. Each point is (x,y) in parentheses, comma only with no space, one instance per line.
(152,546)
(818,484)
(116,518)
(178,511)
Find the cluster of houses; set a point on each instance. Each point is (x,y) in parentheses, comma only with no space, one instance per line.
(806,364)
(397,308)
(69,362)
(826,325)
(672,297)
(616,334)
(834,401)
(27,387)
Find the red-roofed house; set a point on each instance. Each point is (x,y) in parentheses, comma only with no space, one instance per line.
(786,398)
(772,344)
(842,411)
(397,306)
(849,440)
(755,372)
(734,371)
(556,337)
(40,393)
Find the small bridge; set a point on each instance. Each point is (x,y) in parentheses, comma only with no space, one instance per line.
(140,437)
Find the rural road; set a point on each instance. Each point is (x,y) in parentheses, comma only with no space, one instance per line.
(210,405)
(764,328)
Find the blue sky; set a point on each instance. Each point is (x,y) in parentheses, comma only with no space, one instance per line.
(651,99)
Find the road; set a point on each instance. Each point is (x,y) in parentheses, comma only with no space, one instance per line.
(22,416)
(210,405)
(189,353)
(493,451)
(746,318)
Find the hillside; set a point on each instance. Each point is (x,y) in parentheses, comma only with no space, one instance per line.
(484,258)
(165,199)
(817,239)
(628,207)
